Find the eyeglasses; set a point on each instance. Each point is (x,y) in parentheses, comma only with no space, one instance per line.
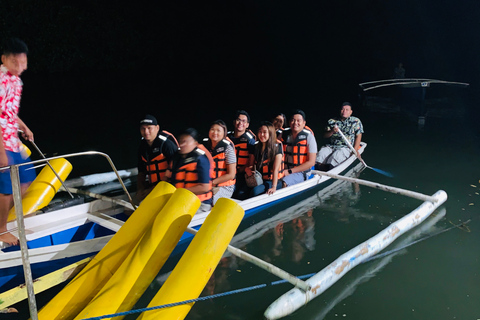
(241,120)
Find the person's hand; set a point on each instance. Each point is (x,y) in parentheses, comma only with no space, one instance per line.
(272,190)
(27,134)
(248,171)
(359,156)
(335,129)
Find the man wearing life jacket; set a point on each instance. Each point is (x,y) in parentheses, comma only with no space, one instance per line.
(225,161)
(337,151)
(300,150)
(155,154)
(191,169)
(244,141)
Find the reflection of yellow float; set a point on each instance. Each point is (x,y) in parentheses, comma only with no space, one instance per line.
(44,187)
(120,273)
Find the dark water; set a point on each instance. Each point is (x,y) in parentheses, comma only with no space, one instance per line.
(435,279)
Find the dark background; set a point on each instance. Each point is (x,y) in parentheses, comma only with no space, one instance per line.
(96,67)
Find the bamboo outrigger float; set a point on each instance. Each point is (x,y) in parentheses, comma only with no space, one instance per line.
(296,298)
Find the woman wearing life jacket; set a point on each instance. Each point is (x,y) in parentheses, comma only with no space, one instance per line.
(225,161)
(190,169)
(278,122)
(268,160)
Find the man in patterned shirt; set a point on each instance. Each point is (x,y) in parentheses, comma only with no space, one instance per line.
(337,151)
(14,62)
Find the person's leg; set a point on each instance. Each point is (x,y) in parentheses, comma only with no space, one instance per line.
(26,175)
(280,184)
(223,192)
(338,156)
(242,191)
(5,205)
(293,178)
(258,190)
(323,154)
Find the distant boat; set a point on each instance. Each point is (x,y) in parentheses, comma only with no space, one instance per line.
(409,96)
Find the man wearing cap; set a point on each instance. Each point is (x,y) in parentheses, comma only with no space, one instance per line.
(155,154)
(337,151)
(300,149)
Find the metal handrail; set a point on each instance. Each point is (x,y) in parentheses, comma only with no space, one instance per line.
(84,153)
(17,199)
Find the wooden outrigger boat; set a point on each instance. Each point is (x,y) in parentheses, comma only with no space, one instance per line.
(409,96)
(61,237)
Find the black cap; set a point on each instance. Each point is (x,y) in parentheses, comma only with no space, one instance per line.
(149,120)
(346,103)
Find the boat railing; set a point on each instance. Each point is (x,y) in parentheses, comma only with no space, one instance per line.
(45,161)
(17,200)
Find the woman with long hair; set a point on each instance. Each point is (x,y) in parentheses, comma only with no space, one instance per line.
(268,160)
(278,122)
(223,154)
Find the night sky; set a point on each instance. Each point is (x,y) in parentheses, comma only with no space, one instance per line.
(204,56)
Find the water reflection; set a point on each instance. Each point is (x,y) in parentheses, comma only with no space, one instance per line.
(288,235)
(340,193)
(371,268)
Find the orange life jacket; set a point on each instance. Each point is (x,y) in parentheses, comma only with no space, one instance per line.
(219,157)
(267,167)
(158,164)
(241,147)
(169,136)
(311,131)
(296,152)
(185,174)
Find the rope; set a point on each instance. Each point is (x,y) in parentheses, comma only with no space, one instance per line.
(218,295)
(260,286)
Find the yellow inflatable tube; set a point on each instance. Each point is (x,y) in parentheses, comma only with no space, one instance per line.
(198,262)
(141,267)
(25,151)
(80,291)
(44,187)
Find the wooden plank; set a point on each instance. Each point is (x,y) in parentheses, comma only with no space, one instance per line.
(41,284)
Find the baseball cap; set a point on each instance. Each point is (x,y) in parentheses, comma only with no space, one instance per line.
(149,120)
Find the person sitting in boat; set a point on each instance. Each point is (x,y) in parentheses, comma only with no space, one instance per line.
(278,122)
(155,154)
(268,160)
(300,149)
(244,141)
(191,169)
(223,154)
(14,62)
(337,151)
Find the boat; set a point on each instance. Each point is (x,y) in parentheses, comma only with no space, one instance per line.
(61,237)
(409,96)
